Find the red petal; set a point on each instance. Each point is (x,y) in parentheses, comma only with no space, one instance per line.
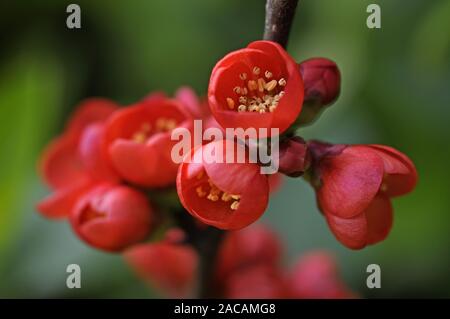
(60,164)
(350,181)
(223,80)
(253,245)
(401,173)
(112,217)
(92,156)
(88,112)
(225,76)
(351,232)
(242,179)
(190,100)
(61,203)
(315,276)
(258,281)
(126,157)
(368,228)
(148,163)
(379,219)
(291,104)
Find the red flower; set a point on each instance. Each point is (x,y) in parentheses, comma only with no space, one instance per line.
(356,183)
(253,245)
(248,264)
(62,165)
(137,140)
(258,281)
(322,81)
(168,267)
(112,217)
(222,194)
(315,276)
(256,87)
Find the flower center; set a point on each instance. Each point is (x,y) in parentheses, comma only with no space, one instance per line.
(162,124)
(214,194)
(260,93)
(90,214)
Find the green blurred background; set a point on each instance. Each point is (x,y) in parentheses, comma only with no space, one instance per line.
(395,91)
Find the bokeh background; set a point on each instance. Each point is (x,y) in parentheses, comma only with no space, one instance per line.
(395,91)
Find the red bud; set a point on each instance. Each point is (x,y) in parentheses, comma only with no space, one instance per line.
(322,80)
(294,159)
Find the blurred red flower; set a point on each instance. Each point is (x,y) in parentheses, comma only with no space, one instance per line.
(253,245)
(137,140)
(112,217)
(69,164)
(168,267)
(315,276)
(249,266)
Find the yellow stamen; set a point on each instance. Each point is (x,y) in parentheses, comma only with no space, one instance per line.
(213,198)
(139,137)
(271,85)
(226,197)
(234,205)
(252,85)
(200,192)
(261,84)
(230,103)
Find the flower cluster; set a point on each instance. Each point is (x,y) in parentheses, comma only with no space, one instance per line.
(103,162)
(248,265)
(113,177)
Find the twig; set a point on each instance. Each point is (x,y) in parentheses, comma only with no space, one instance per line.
(279,17)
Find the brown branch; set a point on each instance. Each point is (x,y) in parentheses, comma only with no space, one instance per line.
(279,17)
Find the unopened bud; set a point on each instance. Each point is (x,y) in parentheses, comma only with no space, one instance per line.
(294,158)
(322,84)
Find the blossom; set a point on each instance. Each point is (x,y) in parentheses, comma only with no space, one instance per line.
(257,244)
(112,217)
(258,281)
(315,276)
(168,267)
(137,140)
(355,184)
(226,194)
(249,265)
(256,87)
(67,171)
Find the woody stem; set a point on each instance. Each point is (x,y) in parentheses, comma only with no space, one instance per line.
(279,17)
